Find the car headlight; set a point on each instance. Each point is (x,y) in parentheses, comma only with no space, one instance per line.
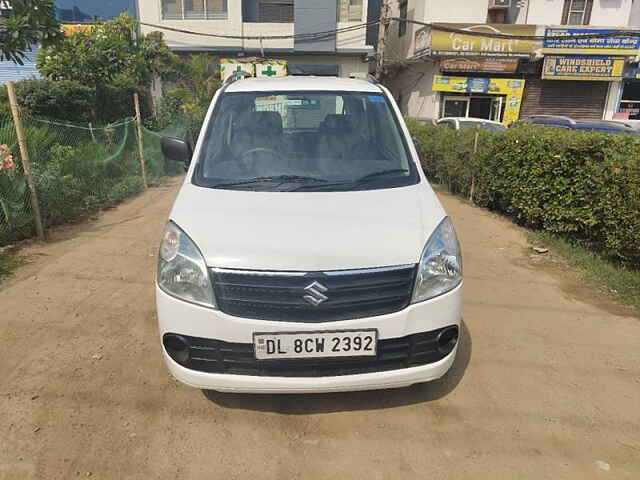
(182,271)
(440,268)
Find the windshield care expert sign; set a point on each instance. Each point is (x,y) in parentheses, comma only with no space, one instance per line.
(576,67)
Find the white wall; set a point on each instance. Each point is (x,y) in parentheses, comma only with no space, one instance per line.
(605,12)
(150,12)
(459,11)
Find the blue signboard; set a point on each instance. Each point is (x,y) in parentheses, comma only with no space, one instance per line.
(572,41)
(478,85)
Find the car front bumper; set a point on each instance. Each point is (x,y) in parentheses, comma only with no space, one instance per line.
(179,317)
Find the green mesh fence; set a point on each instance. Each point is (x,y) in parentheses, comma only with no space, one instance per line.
(76,168)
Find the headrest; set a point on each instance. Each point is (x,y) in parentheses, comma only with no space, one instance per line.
(263,122)
(267,121)
(336,122)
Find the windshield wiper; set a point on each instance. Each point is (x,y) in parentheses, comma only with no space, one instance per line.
(275,178)
(381,173)
(359,181)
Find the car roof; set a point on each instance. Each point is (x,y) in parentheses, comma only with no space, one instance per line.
(470,119)
(302,83)
(586,125)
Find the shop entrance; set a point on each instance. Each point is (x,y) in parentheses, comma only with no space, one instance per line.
(629,106)
(476,106)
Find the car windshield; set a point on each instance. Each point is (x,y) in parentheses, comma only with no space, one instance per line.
(294,141)
(494,127)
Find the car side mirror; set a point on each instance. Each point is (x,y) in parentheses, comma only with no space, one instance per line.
(177,149)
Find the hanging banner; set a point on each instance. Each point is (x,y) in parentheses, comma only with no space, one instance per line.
(230,67)
(574,67)
(512,88)
(252,67)
(489,65)
(272,68)
(421,41)
(450,44)
(574,43)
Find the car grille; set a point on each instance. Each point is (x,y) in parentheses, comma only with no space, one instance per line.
(278,296)
(215,356)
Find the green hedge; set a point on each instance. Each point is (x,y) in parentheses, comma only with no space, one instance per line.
(71,101)
(582,186)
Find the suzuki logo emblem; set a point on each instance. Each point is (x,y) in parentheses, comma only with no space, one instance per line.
(315,294)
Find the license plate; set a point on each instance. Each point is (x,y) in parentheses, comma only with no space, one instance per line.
(345,343)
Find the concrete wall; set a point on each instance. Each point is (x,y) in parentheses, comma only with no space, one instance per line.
(457,11)
(549,12)
(413,87)
(634,16)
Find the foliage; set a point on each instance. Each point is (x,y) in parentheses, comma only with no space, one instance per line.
(76,171)
(195,87)
(584,187)
(110,49)
(30,22)
(64,100)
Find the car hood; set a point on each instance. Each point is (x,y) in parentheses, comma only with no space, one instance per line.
(308,231)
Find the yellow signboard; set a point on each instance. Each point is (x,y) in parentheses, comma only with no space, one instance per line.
(512,88)
(69,29)
(446,43)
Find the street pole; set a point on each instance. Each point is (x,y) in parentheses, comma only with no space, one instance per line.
(382,32)
(26,162)
(136,101)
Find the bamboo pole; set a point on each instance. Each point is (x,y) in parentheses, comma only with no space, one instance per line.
(136,102)
(26,162)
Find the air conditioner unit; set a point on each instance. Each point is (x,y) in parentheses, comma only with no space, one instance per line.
(499,4)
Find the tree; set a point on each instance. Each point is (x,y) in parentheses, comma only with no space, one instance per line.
(196,84)
(108,51)
(25,23)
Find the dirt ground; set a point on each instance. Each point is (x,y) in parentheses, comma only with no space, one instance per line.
(546,385)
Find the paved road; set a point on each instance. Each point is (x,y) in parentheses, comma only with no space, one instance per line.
(547,383)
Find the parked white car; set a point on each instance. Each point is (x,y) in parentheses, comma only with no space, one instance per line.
(306,251)
(461,123)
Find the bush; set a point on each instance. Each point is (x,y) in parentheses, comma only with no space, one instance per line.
(582,186)
(69,100)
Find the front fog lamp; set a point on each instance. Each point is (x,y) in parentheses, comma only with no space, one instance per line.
(182,271)
(440,268)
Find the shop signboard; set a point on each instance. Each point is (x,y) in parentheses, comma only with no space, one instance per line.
(512,88)
(586,67)
(484,64)
(474,44)
(573,41)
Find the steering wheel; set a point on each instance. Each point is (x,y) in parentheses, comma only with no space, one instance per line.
(245,156)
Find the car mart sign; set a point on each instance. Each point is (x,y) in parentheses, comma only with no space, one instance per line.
(512,88)
(445,43)
(573,41)
(575,67)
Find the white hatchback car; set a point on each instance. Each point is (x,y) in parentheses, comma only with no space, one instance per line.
(306,251)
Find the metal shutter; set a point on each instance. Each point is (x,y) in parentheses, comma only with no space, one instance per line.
(579,100)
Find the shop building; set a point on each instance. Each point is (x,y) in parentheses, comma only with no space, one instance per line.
(440,70)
